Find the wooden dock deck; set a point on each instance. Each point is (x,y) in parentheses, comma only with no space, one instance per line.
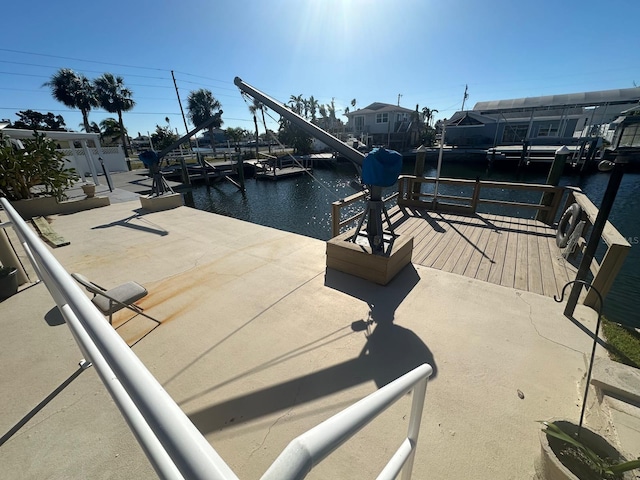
(280,173)
(508,251)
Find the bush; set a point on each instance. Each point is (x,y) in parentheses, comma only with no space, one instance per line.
(38,164)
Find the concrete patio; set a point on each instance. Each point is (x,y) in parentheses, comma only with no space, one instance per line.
(259,342)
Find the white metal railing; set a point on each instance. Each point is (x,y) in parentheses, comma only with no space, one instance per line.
(173,445)
(310,448)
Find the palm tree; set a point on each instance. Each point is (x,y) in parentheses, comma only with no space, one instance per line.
(93,127)
(74,90)
(253,109)
(313,107)
(296,102)
(428,114)
(114,97)
(202,105)
(111,129)
(263,108)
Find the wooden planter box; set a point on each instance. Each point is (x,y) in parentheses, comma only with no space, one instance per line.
(356,259)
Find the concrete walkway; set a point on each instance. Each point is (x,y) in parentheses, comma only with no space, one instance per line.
(259,342)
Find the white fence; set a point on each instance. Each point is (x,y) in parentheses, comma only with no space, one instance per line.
(113,158)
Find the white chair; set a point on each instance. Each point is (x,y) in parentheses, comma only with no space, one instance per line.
(115,299)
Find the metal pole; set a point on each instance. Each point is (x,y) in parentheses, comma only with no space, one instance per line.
(596,232)
(435,193)
(553,178)
(184,119)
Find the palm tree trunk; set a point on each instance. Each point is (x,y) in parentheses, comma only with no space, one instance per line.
(123,135)
(85,120)
(255,122)
(265,131)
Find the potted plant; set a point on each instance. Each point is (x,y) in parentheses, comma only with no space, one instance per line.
(89,189)
(37,164)
(8,282)
(571,452)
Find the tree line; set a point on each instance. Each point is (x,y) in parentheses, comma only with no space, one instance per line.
(108,91)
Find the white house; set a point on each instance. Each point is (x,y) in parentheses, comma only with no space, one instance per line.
(385,124)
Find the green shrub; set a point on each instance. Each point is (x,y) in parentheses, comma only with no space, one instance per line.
(38,164)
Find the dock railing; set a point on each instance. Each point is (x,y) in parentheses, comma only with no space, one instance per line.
(171,442)
(617,247)
(410,195)
(338,223)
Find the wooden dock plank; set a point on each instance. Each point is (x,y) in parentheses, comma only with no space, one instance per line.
(433,236)
(549,282)
(499,258)
(510,256)
(446,244)
(479,253)
(534,274)
(471,248)
(489,257)
(48,233)
(522,258)
(507,251)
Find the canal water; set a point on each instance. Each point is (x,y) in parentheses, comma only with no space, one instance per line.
(303,205)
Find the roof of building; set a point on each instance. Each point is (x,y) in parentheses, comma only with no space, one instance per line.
(617,96)
(469,118)
(378,107)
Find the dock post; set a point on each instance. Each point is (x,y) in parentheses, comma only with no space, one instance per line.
(418,172)
(185,172)
(203,165)
(613,185)
(553,178)
(241,172)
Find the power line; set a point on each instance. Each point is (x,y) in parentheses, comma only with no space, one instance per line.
(90,71)
(83,60)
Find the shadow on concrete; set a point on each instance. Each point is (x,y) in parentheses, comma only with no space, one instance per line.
(382,300)
(308,347)
(34,411)
(54,318)
(126,222)
(389,352)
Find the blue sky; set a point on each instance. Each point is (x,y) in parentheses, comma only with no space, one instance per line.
(370,50)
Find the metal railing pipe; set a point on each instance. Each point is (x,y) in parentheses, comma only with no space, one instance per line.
(193,456)
(160,460)
(310,448)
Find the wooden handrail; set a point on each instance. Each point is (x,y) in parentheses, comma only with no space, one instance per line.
(604,272)
(336,209)
(409,197)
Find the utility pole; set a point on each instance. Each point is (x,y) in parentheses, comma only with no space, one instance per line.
(464,98)
(399,97)
(184,119)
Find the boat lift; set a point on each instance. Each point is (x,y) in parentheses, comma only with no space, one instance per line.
(152,159)
(378,169)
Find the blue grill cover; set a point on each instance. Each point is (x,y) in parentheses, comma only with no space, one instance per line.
(381,167)
(149,158)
